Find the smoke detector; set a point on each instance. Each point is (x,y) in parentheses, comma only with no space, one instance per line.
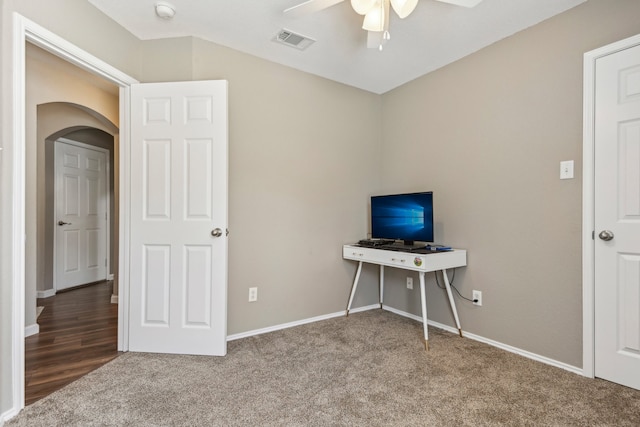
(165,10)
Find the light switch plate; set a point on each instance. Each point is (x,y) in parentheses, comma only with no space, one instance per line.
(566,169)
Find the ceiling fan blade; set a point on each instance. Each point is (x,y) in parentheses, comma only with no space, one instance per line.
(309,6)
(465,3)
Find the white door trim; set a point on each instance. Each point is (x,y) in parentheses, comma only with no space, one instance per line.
(588,201)
(108,208)
(24,30)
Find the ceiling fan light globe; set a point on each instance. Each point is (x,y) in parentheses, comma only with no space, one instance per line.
(374,19)
(404,7)
(362,6)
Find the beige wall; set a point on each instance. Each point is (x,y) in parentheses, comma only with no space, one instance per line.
(167,60)
(487,135)
(301,150)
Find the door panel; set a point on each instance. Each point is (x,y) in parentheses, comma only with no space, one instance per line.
(197,290)
(197,190)
(71,253)
(617,209)
(179,194)
(157,181)
(156,284)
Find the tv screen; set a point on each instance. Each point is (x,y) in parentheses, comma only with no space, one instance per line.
(407,217)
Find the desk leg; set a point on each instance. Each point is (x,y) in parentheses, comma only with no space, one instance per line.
(447,285)
(354,286)
(423,300)
(381,285)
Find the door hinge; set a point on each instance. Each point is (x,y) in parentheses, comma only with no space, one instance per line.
(593,235)
(105,262)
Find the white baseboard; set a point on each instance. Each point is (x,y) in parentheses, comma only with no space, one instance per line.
(46,293)
(506,347)
(299,322)
(524,353)
(511,349)
(8,415)
(31,330)
(114,299)
(285,325)
(110,276)
(409,315)
(365,308)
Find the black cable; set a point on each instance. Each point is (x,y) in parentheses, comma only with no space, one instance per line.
(451,284)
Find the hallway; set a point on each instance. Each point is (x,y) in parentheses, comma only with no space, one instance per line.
(78,333)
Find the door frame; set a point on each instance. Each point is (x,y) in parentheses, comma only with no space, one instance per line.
(588,199)
(26,31)
(107,172)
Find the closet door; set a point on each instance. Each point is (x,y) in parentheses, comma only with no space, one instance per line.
(617,217)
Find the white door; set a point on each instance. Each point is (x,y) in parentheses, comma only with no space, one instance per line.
(81,215)
(178,256)
(617,217)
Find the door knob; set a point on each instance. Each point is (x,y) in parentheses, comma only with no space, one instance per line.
(63,223)
(606,235)
(216,232)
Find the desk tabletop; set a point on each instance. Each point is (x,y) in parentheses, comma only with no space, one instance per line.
(432,261)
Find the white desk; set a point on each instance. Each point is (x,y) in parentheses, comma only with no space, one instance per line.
(422,263)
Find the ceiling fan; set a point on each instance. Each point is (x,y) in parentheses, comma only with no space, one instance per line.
(376,14)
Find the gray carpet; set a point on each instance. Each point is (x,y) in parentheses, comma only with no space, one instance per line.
(369,369)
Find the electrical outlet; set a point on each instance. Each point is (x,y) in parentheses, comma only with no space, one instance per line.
(477,298)
(566,169)
(409,282)
(253,294)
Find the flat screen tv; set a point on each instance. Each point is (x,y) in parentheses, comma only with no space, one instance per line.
(406,217)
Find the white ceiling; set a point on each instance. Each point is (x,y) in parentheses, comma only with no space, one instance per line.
(434,35)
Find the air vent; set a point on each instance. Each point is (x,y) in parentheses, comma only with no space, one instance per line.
(294,40)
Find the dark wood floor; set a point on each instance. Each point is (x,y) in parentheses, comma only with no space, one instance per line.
(78,333)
